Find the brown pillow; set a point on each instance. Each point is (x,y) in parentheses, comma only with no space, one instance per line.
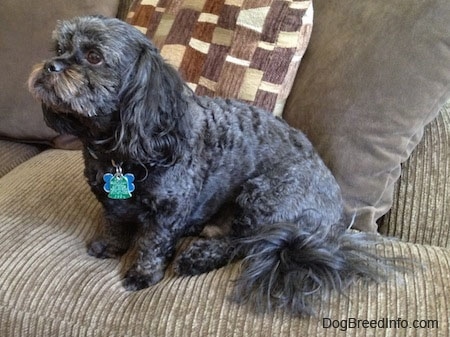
(375,73)
(243,49)
(25,32)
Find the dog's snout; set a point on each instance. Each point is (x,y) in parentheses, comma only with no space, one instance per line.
(54,66)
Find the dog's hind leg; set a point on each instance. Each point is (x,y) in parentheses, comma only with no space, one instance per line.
(289,191)
(294,243)
(204,255)
(273,197)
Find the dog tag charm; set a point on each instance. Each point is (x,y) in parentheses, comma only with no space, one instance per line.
(118,186)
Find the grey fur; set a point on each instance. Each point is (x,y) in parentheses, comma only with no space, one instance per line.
(191,156)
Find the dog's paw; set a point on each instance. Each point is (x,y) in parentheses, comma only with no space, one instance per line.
(185,265)
(103,250)
(135,280)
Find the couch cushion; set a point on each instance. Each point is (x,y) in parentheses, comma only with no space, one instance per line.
(421,208)
(375,73)
(50,287)
(13,154)
(246,49)
(25,33)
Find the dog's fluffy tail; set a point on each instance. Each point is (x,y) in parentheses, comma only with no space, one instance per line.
(285,264)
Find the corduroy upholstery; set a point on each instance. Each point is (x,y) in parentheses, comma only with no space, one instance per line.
(422,195)
(13,154)
(50,287)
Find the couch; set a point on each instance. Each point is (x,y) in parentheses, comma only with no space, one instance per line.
(370,92)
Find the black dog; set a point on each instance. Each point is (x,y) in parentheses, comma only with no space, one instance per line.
(164,161)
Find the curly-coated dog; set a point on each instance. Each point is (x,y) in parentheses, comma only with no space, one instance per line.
(163,162)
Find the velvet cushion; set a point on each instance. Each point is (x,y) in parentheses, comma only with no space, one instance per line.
(242,49)
(375,73)
(25,33)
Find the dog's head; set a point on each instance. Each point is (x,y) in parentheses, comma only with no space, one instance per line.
(104,67)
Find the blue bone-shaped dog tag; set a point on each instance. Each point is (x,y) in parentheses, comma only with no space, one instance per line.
(119,186)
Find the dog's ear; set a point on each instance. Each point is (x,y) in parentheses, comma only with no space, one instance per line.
(153,110)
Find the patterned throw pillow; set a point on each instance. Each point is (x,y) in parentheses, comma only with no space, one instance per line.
(244,49)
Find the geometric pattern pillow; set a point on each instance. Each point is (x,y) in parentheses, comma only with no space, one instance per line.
(242,49)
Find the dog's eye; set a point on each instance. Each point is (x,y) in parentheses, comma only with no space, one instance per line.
(59,51)
(93,57)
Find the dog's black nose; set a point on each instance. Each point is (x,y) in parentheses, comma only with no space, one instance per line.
(54,66)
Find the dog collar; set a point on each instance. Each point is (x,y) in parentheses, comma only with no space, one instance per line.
(118,185)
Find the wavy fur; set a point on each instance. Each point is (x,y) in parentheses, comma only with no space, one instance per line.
(286,264)
(151,104)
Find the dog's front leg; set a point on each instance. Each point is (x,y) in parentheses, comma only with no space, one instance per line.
(155,248)
(115,239)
